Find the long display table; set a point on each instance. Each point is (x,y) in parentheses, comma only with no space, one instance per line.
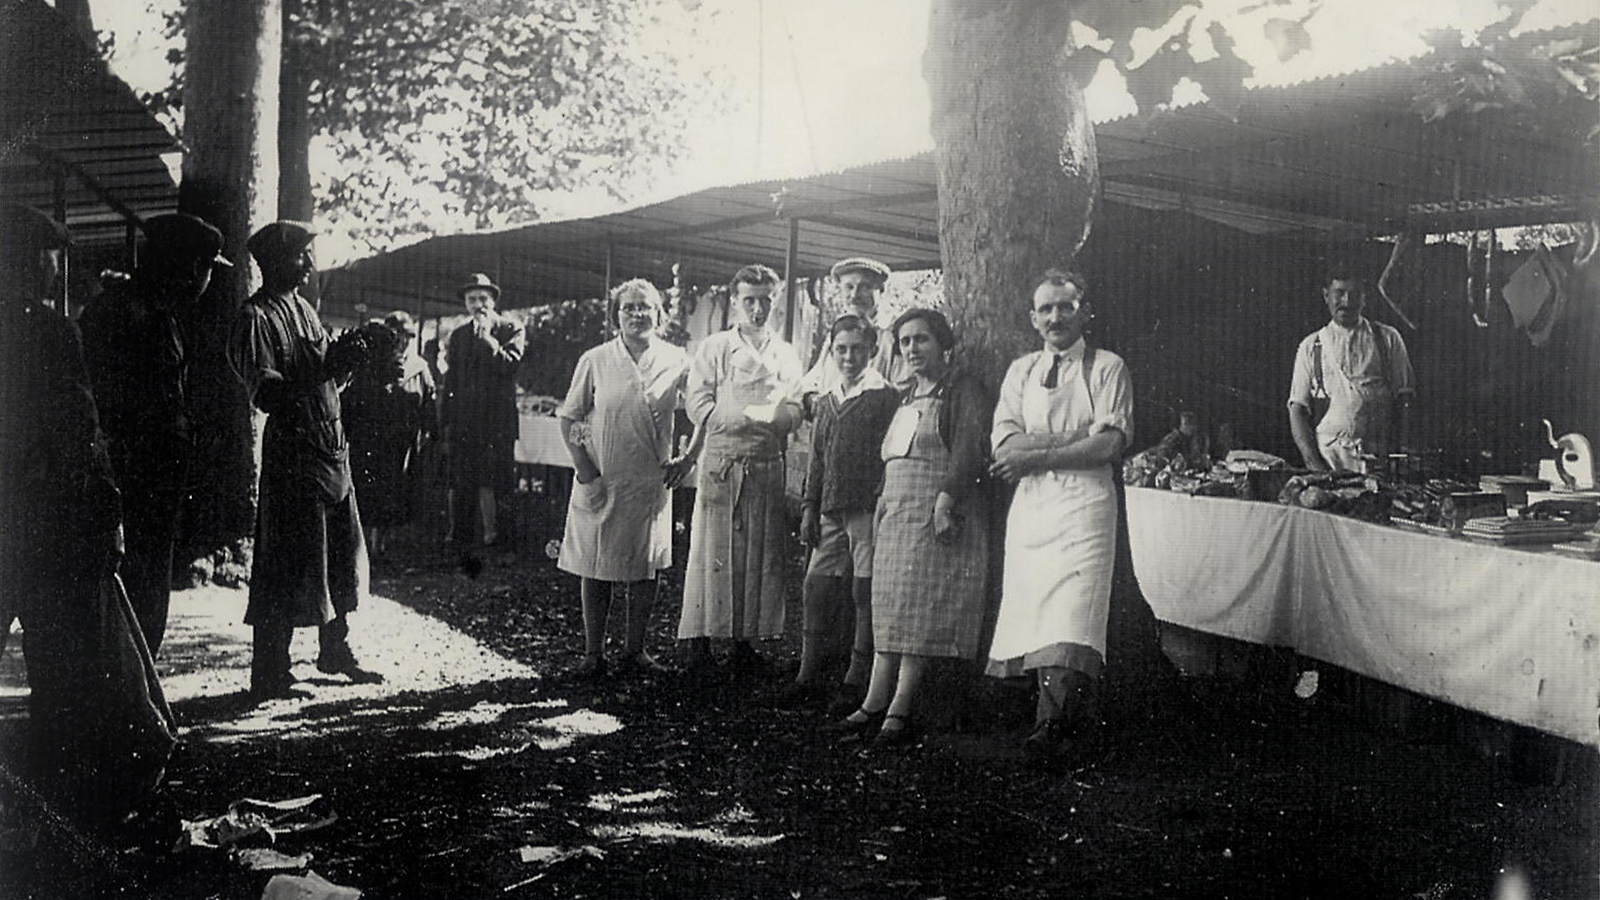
(1512,634)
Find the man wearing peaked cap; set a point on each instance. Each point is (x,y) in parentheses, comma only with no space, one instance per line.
(98,738)
(134,348)
(478,407)
(310,565)
(860,281)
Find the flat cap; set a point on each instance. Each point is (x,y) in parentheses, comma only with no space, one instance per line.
(478,281)
(859,264)
(181,234)
(280,239)
(23,228)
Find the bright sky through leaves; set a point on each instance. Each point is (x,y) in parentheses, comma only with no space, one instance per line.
(841,80)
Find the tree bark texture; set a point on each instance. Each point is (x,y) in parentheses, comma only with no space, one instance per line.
(1017,169)
(230,178)
(295,200)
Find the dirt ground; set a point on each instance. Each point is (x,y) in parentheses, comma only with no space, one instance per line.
(481,746)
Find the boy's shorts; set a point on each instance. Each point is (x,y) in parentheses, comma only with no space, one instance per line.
(844,545)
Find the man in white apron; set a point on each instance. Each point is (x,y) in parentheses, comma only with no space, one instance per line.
(1350,397)
(1065,415)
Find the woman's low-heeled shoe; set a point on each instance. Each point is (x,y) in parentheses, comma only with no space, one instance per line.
(902,736)
(847,730)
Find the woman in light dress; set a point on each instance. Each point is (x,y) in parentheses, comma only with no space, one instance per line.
(619,518)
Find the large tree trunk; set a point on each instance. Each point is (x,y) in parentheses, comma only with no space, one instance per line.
(1018,178)
(230,178)
(294,137)
(1016,162)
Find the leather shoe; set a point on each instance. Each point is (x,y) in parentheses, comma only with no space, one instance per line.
(349,668)
(902,734)
(846,700)
(642,664)
(847,729)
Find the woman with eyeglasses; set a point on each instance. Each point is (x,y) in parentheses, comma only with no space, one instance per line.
(388,411)
(619,517)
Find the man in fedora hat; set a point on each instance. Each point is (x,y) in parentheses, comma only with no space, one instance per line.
(133,345)
(99,731)
(310,565)
(478,406)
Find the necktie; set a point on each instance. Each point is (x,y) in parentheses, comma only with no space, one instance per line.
(1055,370)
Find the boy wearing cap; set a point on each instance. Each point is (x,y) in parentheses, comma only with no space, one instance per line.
(310,563)
(133,346)
(99,729)
(478,405)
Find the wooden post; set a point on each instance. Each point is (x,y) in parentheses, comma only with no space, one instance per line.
(131,243)
(789,256)
(606,294)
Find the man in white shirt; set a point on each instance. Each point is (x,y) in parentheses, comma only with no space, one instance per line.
(862,281)
(1359,372)
(1064,416)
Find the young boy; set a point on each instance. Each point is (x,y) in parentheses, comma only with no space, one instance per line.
(841,495)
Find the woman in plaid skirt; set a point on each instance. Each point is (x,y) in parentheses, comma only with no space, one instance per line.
(932,531)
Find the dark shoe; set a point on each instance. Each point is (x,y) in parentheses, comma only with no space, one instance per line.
(744,660)
(348,667)
(593,668)
(279,687)
(1060,742)
(847,730)
(641,664)
(846,700)
(797,694)
(896,731)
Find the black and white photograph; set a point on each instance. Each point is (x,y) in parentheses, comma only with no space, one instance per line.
(799,449)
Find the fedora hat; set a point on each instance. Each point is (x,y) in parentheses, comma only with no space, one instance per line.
(479,281)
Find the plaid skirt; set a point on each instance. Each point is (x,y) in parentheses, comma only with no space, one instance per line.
(927,596)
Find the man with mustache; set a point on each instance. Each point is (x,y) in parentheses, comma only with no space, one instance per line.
(741,399)
(1064,417)
(1350,397)
(478,408)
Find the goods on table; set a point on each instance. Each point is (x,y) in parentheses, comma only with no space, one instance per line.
(1345,493)
(1507,530)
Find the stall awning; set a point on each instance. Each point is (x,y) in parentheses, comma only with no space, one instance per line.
(68,125)
(1343,157)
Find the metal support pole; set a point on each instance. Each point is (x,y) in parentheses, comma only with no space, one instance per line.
(131,242)
(66,253)
(607,294)
(789,260)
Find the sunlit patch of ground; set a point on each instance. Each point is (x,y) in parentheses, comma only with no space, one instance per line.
(648,812)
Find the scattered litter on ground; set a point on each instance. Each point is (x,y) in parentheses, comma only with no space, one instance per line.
(549,856)
(257,821)
(309,886)
(1306,686)
(266,859)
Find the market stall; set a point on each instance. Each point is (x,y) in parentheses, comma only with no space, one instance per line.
(1501,630)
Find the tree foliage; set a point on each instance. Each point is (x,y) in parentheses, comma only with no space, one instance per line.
(430,116)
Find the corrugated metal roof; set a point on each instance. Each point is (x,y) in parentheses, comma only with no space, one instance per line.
(1341,156)
(62,112)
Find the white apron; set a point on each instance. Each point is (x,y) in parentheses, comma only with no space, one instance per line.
(1060,544)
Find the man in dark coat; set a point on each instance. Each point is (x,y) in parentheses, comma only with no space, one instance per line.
(478,406)
(99,727)
(134,348)
(310,565)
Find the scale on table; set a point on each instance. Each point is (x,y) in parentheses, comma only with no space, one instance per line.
(1573,468)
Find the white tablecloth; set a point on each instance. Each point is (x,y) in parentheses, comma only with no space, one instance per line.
(1512,634)
(539,441)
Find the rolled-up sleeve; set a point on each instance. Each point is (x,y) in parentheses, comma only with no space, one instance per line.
(580,395)
(251,355)
(1113,399)
(700,395)
(1008,411)
(1300,380)
(1402,379)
